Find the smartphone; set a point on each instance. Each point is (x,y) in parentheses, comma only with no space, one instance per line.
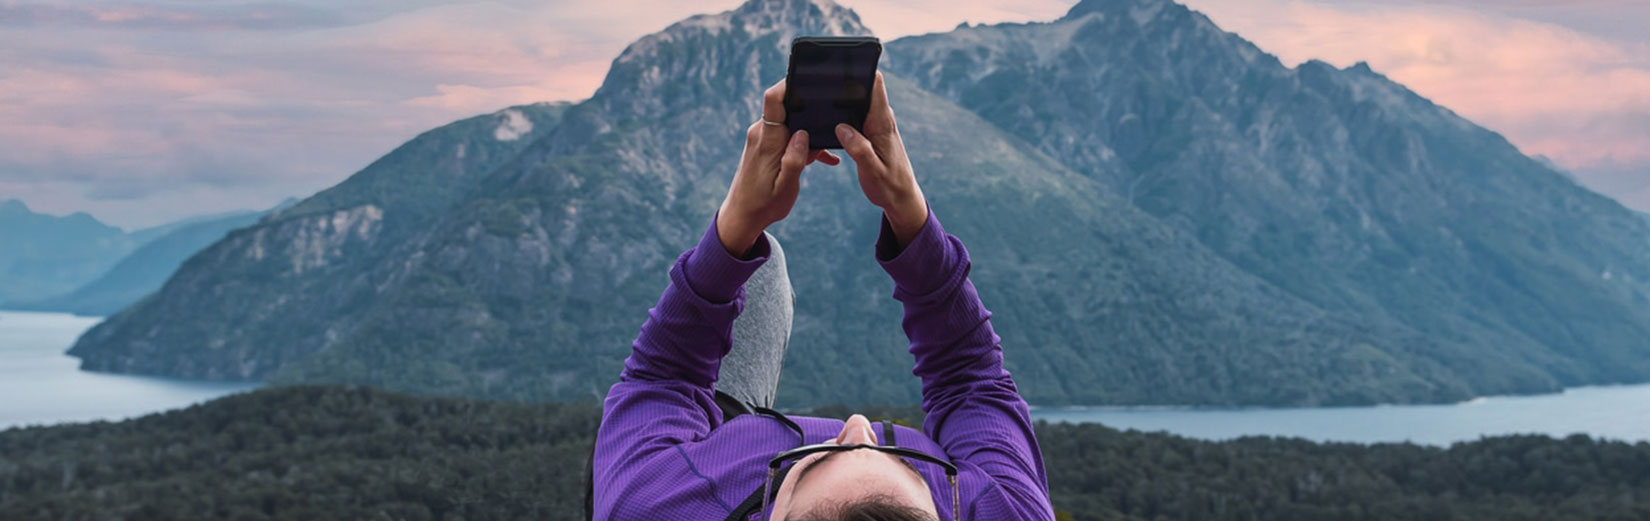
(829,82)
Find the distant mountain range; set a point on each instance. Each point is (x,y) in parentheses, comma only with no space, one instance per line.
(1158,212)
(145,269)
(44,255)
(60,252)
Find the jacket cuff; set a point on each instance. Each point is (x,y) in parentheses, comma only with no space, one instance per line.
(717,276)
(925,264)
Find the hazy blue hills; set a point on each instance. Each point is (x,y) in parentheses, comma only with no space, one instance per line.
(145,269)
(43,255)
(324,453)
(1183,220)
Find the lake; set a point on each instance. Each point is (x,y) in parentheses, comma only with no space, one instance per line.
(1617,412)
(41,385)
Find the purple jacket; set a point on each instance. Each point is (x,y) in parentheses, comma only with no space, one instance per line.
(665,453)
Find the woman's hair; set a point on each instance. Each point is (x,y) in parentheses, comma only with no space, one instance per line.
(874,508)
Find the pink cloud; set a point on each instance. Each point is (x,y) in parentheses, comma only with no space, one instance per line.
(1581,100)
(247,105)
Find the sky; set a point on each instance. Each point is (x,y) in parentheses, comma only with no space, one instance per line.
(145,112)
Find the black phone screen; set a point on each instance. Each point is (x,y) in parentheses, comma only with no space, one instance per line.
(830,82)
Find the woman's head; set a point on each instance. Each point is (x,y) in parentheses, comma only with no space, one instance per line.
(853,485)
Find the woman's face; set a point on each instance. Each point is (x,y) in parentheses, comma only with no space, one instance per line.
(833,478)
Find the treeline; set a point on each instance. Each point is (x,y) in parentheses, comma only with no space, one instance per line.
(317,453)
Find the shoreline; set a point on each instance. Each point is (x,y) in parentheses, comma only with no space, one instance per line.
(1252,408)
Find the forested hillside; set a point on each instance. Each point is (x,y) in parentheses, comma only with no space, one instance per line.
(320,453)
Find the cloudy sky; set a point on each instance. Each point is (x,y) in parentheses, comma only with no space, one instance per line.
(144,112)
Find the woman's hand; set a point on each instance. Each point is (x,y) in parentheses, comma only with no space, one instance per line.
(885,173)
(769,177)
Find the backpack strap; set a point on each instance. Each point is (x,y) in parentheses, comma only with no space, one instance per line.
(753,502)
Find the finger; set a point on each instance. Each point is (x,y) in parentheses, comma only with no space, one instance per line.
(880,118)
(857,146)
(825,156)
(753,135)
(790,165)
(773,103)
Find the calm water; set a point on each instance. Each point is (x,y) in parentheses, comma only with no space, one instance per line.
(1618,412)
(41,385)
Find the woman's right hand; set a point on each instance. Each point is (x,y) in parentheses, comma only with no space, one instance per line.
(885,173)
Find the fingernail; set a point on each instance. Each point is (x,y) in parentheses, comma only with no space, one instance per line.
(800,138)
(842,131)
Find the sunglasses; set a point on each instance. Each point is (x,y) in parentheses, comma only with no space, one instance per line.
(801,452)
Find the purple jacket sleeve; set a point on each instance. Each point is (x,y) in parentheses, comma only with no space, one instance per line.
(665,397)
(973,409)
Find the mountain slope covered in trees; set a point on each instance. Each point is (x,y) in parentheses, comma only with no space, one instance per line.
(319,453)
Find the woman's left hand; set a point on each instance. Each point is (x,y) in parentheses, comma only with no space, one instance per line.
(769,177)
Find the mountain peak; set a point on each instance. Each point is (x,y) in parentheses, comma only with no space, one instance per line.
(1141,10)
(13,206)
(717,57)
(800,10)
(752,20)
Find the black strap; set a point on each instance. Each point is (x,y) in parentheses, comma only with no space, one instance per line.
(732,407)
(753,502)
(800,436)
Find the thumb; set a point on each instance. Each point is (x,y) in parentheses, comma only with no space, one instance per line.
(857,146)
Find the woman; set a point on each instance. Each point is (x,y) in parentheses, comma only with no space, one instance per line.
(679,443)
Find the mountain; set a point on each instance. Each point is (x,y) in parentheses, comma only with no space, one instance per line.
(45,255)
(1338,186)
(143,236)
(140,273)
(80,265)
(527,273)
(281,279)
(534,285)
(325,453)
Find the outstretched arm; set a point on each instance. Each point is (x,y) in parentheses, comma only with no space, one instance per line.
(665,393)
(973,409)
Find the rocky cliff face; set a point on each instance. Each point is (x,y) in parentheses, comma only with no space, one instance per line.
(529,278)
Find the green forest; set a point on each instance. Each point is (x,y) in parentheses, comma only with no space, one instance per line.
(317,453)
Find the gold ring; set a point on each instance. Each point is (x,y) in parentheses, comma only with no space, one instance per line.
(769,123)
